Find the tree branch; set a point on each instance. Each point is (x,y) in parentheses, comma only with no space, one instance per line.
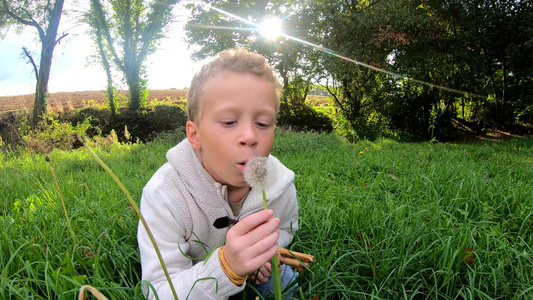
(32,23)
(28,54)
(61,37)
(371,4)
(21,20)
(334,96)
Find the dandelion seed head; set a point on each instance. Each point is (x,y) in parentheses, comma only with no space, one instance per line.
(258,172)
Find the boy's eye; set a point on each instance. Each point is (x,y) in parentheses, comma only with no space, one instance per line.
(229,122)
(262,124)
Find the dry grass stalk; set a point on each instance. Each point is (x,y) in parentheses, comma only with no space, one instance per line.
(295,259)
(93,291)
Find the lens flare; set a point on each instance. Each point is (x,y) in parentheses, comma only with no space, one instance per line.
(271,28)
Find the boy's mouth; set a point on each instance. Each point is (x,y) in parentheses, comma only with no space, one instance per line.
(240,165)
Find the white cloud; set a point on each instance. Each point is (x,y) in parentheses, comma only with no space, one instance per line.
(15,73)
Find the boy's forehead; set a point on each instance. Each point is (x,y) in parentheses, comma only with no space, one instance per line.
(213,80)
(225,74)
(221,80)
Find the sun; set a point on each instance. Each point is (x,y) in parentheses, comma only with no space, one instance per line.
(271,28)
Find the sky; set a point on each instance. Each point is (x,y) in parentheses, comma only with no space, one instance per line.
(169,67)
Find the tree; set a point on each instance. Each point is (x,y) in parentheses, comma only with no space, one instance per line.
(131,30)
(491,44)
(97,31)
(44,16)
(477,46)
(347,29)
(419,47)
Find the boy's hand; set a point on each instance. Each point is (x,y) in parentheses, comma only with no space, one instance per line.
(261,276)
(252,242)
(265,271)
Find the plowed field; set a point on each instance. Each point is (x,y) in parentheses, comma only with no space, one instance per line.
(72,100)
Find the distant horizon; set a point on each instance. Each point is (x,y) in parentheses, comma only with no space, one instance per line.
(89,91)
(82,99)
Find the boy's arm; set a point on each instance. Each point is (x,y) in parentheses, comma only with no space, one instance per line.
(286,208)
(168,230)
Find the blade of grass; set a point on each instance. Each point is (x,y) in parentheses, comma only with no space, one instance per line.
(62,203)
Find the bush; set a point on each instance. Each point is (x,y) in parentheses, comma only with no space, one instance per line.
(52,134)
(303,118)
(143,125)
(59,130)
(13,125)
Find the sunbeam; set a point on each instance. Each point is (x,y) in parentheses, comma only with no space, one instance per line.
(223,27)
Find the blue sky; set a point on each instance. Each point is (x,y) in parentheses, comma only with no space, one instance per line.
(169,67)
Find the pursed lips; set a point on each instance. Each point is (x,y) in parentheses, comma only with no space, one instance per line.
(240,166)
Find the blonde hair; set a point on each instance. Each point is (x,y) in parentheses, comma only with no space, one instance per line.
(231,60)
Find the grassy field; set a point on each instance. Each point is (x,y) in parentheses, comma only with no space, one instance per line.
(384,220)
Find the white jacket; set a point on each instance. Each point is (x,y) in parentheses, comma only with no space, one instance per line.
(180,203)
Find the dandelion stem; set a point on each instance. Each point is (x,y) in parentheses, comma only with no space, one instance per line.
(276,280)
(264,199)
(137,210)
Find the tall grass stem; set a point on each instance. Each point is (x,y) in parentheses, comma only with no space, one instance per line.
(62,203)
(137,210)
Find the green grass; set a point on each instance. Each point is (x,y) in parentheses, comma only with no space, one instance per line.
(384,220)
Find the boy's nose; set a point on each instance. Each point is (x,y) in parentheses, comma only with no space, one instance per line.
(248,136)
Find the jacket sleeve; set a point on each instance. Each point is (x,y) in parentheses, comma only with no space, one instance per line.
(203,280)
(286,208)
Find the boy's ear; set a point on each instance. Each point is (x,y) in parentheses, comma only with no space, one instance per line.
(192,134)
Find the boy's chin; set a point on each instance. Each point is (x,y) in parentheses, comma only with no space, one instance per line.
(237,185)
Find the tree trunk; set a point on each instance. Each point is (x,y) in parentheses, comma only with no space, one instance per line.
(503,115)
(48,43)
(107,68)
(135,97)
(497,113)
(284,101)
(135,87)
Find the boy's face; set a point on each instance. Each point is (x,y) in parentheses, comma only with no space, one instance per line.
(236,124)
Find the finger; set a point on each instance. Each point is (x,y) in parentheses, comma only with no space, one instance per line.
(264,249)
(260,279)
(244,257)
(265,272)
(262,237)
(268,266)
(263,275)
(252,221)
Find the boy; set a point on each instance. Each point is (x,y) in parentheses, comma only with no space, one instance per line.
(198,201)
